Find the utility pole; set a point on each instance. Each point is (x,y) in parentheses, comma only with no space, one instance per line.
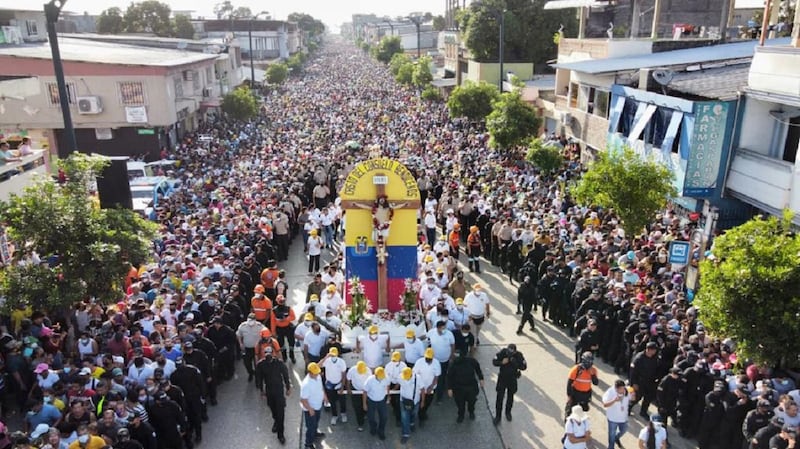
(391,25)
(51,11)
(417,20)
(502,38)
(250,39)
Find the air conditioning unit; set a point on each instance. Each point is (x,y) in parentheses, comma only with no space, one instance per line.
(90,105)
(566,119)
(207,92)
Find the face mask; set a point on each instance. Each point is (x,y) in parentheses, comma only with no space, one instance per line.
(152,390)
(47,399)
(460,307)
(373,337)
(251,320)
(259,295)
(410,340)
(67,370)
(430,286)
(142,398)
(465,334)
(84,340)
(334,358)
(83,439)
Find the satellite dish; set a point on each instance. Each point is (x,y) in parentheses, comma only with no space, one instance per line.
(663,77)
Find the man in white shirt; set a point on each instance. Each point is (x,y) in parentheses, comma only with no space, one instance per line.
(373,346)
(332,275)
(376,391)
(616,401)
(312,396)
(428,371)
(335,371)
(313,342)
(477,304)
(410,390)
(459,314)
(430,226)
(356,377)
(429,294)
(413,347)
(393,370)
(443,343)
(331,299)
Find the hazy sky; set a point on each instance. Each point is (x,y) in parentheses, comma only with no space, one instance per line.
(332,12)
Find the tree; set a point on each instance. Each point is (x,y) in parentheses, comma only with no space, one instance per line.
(110,21)
(473,101)
(636,188)
(242,12)
(511,122)
(307,23)
(528,30)
(751,290)
(149,16)
(295,62)
(547,158)
(422,75)
(277,73)
(240,104)
(398,60)
(88,249)
(439,23)
(387,48)
(431,94)
(223,9)
(405,74)
(183,27)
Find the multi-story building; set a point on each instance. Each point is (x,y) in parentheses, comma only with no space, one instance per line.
(24,23)
(271,39)
(125,100)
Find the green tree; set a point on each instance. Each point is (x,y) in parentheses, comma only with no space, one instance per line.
(223,9)
(398,61)
(295,62)
(307,23)
(387,48)
(242,12)
(110,21)
(439,23)
(511,122)
(547,158)
(473,101)
(636,188)
(528,30)
(751,290)
(422,75)
(183,27)
(149,16)
(277,73)
(92,247)
(431,94)
(240,104)
(405,74)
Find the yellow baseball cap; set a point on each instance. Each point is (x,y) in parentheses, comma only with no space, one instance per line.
(373,329)
(334,351)
(429,353)
(380,373)
(314,297)
(440,270)
(477,286)
(361,367)
(406,373)
(410,333)
(313,368)
(459,301)
(331,288)
(396,356)
(308,317)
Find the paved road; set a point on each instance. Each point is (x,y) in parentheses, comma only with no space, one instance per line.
(245,421)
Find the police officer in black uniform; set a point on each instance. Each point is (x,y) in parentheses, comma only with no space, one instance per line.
(463,377)
(644,377)
(754,421)
(511,362)
(526,298)
(168,421)
(189,379)
(667,395)
(272,380)
(224,338)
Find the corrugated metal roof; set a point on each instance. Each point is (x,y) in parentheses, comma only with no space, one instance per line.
(723,83)
(81,50)
(687,56)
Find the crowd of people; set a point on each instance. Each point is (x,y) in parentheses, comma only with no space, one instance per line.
(143,372)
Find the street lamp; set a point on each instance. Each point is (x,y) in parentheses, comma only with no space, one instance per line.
(250,38)
(51,11)
(417,20)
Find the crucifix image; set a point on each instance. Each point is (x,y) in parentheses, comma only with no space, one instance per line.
(382,209)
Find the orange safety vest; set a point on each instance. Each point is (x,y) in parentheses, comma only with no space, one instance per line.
(282,323)
(454,239)
(582,378)
(260,347)
(268,277)
(261,307)
(474,239)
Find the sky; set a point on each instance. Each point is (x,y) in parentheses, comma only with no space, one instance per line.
(332,12)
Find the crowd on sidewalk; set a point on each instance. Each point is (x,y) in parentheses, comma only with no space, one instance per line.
(143,372)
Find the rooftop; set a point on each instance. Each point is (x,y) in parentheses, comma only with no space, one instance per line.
(80,50)
(689,56)
(721,83)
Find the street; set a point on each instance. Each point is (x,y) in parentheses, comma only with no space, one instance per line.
(538,408)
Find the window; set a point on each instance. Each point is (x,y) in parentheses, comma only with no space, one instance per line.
(196,80)
(792,140)
(52,91)
(600,103)
(178,80)
(32,27)
(131,93)
(584,94)
(573,95)
(209,74)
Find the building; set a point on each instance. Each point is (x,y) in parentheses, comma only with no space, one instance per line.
(22,24)
(271,39)
(125,100)
(764,169)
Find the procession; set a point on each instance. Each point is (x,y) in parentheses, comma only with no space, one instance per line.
(410,241)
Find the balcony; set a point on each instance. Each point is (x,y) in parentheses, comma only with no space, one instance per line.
(15,176)
(760,180)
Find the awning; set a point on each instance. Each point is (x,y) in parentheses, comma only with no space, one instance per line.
(444,82)
(564,4)
(210,104)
